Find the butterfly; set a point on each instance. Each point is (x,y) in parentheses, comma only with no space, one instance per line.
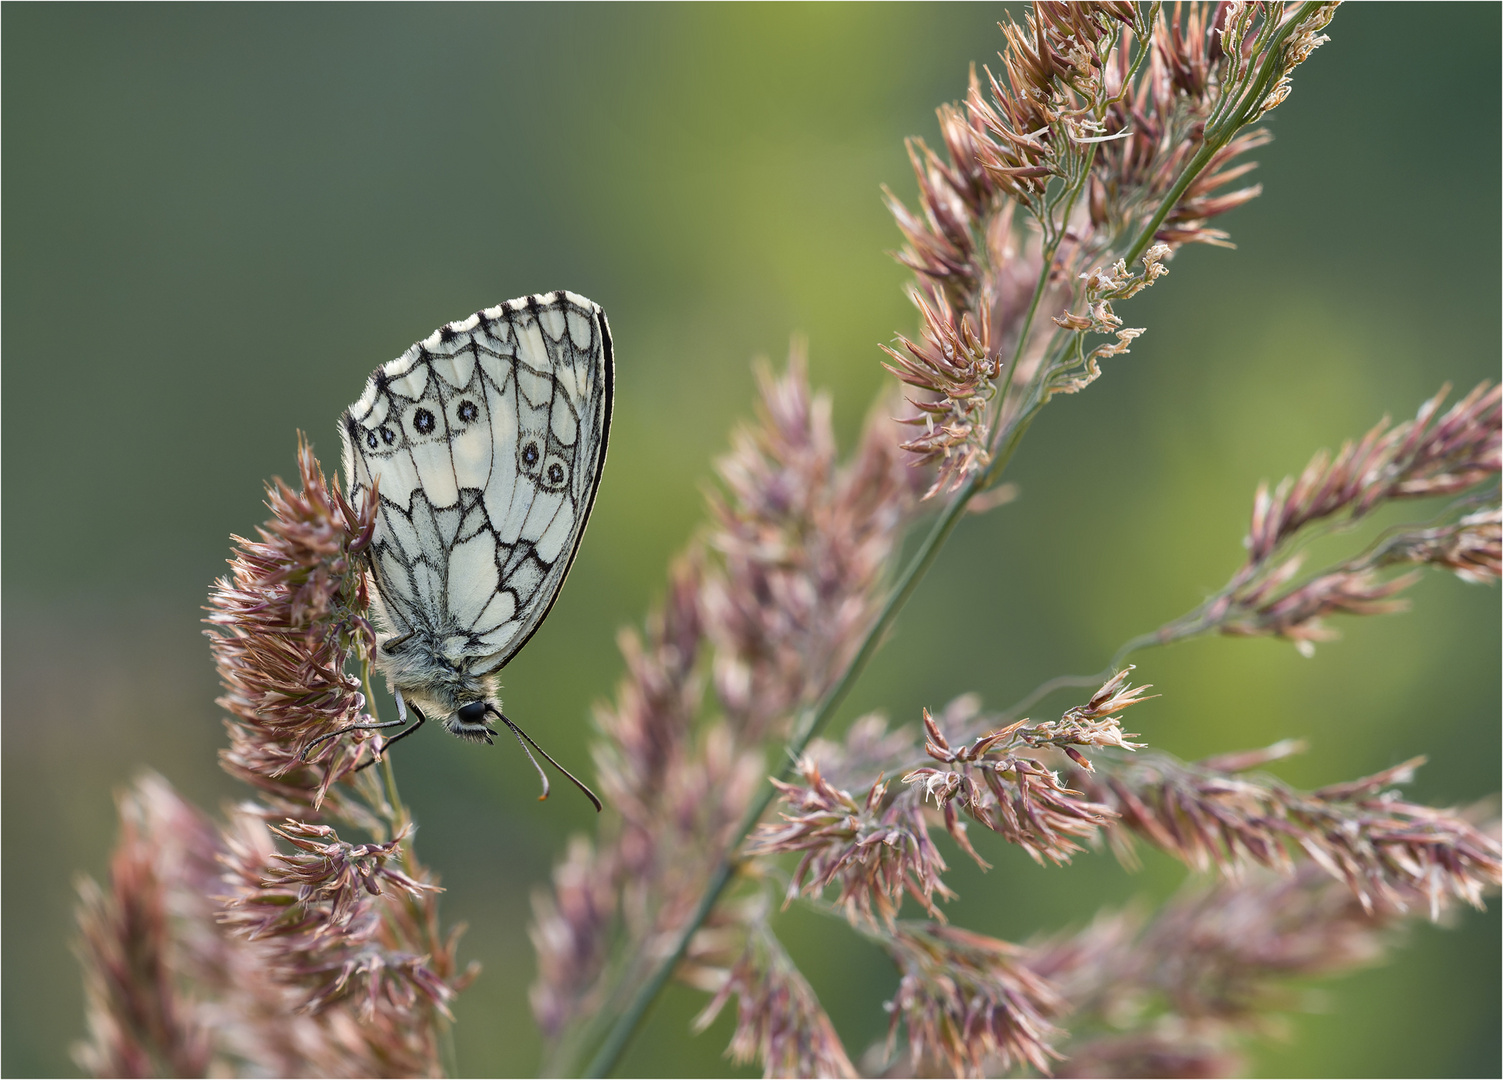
(484,443)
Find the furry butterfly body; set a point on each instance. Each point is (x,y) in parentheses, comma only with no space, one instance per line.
(485,444)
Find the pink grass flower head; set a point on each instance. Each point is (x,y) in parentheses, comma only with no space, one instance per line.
(874,850)
(275,950)
(148,938)
(285,623)
(969,1004)
(778,1019)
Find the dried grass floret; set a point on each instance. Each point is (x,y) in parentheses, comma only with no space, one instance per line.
(970,1005)
(1181,990)
(1018,797)
(779,1021)
(1387,851)
(174,992)
(954,364)
(570,933)
(1121,132)
(1458,453)
(1117,130)
(874,851)
(139,963)
(1426,456)
(1468,547)
(333,921)
(285,622)
(877,848)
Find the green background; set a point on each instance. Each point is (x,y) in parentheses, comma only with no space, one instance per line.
(218,220)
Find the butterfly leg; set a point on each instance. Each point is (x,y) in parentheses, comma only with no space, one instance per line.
(400,721)
(421,719)
(336,734)
(391,645)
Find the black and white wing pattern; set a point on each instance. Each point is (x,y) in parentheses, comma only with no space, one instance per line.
(487,439)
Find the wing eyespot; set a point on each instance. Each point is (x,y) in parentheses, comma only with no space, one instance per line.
(380,439)
(529,455)
(468,411)
(555,473)
(423,422)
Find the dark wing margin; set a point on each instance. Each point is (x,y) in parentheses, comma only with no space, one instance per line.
(607,362)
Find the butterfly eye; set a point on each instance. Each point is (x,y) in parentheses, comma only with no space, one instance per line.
(473,713)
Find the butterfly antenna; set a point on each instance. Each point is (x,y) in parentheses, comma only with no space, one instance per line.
(526,741)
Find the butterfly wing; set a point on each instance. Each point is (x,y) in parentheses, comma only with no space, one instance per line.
(488,440)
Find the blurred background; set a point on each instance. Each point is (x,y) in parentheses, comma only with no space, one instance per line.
(218,220)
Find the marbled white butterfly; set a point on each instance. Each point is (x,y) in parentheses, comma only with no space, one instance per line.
(485,443)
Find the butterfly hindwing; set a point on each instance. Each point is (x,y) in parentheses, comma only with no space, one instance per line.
(487,439)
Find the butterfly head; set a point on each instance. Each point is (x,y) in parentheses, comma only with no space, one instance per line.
(469,721)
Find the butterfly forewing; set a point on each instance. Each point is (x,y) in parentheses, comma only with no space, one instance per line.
(487,439)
